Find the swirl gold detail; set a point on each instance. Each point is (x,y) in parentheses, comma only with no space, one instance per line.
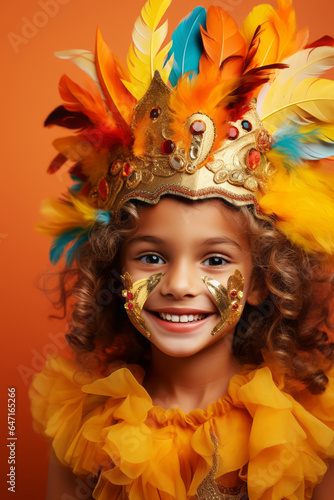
(209,490)
(227,299)
(136,295)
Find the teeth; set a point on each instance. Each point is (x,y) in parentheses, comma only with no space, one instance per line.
(184,318)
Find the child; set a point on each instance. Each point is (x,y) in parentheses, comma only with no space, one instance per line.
(201,256)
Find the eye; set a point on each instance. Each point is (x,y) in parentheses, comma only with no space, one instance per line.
(151,259)
(215,261)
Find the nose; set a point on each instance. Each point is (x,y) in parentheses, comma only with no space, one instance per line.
(180,281)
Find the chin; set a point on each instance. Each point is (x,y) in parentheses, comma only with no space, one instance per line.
(178,349)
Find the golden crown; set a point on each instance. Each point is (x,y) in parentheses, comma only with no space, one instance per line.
(235,171)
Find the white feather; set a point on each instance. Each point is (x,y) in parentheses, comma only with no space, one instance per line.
(85,60)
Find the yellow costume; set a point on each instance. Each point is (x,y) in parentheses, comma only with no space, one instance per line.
(147,452)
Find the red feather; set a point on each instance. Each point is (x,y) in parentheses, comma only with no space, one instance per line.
(68,119)
(77,171)
(325,40)
(253,46)
(56,163)
(88,102)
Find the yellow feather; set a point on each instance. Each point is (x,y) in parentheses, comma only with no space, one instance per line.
(306,63)
(279,38)
(144,57)
(303,203)
(312,100)
(64,215)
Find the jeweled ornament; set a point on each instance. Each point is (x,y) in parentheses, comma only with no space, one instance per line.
(167,147)
(103,188)
(253,160)
(246,125)
(197,127)
(127,169)
(155,113)
(233,133)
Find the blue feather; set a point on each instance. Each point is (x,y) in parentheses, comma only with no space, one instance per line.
(317,151)
(76,187)
(297,144)
(70,254)
(78,183)
(187,45)
(103,216)
(74,177)
(59,243)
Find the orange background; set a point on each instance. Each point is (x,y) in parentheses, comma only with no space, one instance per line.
(29,77)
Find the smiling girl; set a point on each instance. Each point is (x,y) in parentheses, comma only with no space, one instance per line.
(199,248)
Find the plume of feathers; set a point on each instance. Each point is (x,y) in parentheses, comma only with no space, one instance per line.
(145,56)
(271,34)
(311,101)
(302,203)
(187,45)
(70,220)
(296,94)
(296,144)
(85,60)
(224,47)
(111,73)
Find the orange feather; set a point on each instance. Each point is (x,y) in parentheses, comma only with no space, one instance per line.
(198,95)
(221,41)
(88,101)
(278,37)
(110,73)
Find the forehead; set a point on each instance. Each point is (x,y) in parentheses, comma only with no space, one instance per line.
(175,218)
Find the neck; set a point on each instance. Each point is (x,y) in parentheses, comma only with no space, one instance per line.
(191,382)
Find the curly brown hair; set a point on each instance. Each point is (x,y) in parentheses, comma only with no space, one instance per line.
(287,330)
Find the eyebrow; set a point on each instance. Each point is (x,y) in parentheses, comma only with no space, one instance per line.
(208,241)
(147,239)
(217,241)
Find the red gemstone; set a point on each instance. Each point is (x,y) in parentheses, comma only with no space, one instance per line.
(198,127)
(116,167)
(254,158)
(167,147)
(234,293)
(127,169)
(130,305)
(129,296)
(155,113)
(235,306)
(233,133)
(103,188)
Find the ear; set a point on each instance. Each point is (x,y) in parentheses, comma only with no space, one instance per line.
(257,292)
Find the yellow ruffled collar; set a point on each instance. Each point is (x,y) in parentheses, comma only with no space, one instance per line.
(147,452)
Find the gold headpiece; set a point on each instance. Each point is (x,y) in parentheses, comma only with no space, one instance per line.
(184,120)
(191,167)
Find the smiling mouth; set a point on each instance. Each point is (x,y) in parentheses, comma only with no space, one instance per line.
(183,318)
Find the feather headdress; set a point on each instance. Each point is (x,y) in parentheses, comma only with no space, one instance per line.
(182,119)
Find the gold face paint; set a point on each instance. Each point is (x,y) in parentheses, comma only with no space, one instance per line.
(227,299)
(136,295)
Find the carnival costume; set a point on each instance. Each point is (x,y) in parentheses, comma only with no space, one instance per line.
(216,113)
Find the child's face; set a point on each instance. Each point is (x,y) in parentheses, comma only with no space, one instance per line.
(186,241)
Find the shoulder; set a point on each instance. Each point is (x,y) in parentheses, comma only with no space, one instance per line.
(70,406)
(291,436)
